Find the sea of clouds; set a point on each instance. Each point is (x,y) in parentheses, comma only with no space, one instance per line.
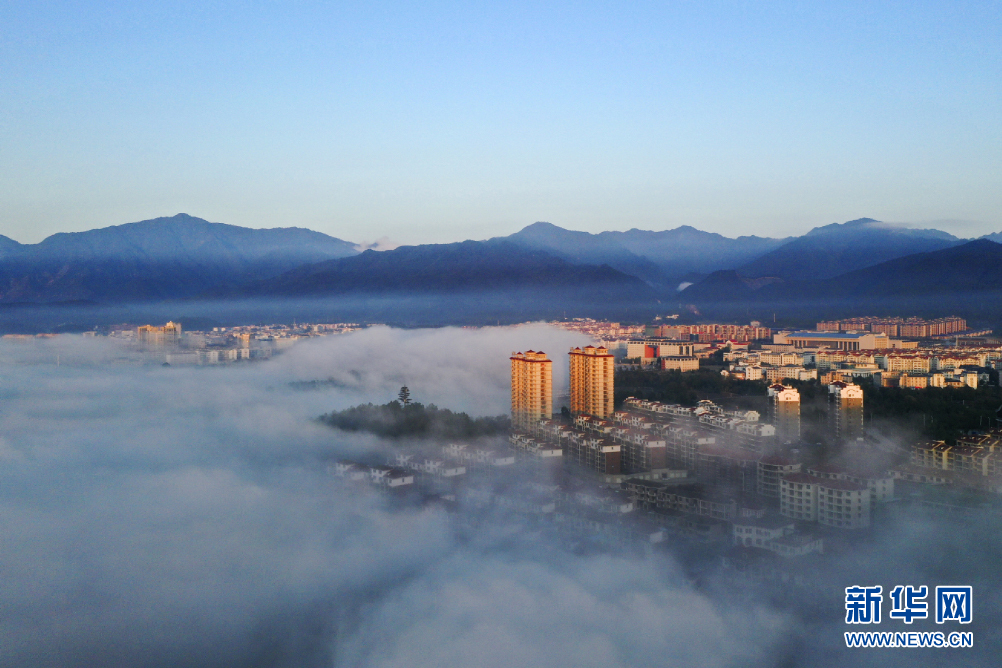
(165,516)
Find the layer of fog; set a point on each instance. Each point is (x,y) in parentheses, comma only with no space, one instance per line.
(185,516)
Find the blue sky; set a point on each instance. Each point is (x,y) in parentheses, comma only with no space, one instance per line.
(433,121)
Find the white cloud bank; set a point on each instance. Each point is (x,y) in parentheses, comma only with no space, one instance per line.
(170,516)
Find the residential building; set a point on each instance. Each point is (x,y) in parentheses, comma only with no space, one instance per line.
(697,499)
(592,381)
(531,388)
(913,381)
(913,327)
(881,485)
(593,452)
(771,471)
(784,412)
(642,450)
(650,349)
(167,336)
(713,332)
(529,447)
(777,374)
(836,503)
(845,408)
(728,466)
(673,363)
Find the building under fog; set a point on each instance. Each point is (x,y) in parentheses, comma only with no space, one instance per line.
(531,388)
(784,412)
(845,410)
(167,336)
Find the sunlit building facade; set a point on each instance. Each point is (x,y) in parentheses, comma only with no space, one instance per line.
(531,388)
(845,405)
(592,381)
(784,408)
(152,336)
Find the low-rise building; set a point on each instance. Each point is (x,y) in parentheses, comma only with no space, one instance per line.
(757,531)
(592,452)
(771,470)
(881,485)
(678,363)
(836,503)
(728,466)
(529,447)
(775,534)
(697,499)
(777,374)
(834,340)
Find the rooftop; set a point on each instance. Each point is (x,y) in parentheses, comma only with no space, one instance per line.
(766,522)
(794,540)
(834,336)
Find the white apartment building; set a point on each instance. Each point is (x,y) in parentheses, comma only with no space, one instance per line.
(836,503)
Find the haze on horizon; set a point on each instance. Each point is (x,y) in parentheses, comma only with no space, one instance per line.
(444,122)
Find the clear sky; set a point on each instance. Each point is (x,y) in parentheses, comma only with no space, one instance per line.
(438,121)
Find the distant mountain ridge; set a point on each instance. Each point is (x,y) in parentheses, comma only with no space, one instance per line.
(832,250)
(181,238)
(660,258)
(467,266)
(182,257)
(163,258)
(969,268)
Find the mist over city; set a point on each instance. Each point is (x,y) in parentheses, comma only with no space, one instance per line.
(189,514)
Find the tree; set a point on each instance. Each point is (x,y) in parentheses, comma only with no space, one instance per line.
(404,396)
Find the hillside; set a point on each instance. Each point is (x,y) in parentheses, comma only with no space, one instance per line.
(975,266)
(460,267)
(586,248)
(686,250)
(660,258)
(959,271)
(832,250)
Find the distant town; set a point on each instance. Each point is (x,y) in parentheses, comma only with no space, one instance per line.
(170,344)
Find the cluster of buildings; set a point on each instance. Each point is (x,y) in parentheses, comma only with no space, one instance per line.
(711,333)
(703,462)
(768,365)
(707,472)
(223,344)
(666,347)
(973,462)
(914,368)
(484,478)
(666,354)
(600,330)
(850,357)
(915,328)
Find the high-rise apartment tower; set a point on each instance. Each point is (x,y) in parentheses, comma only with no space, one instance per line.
(531,388)
(592,381)
(784,412)
(168,335)
(845,405)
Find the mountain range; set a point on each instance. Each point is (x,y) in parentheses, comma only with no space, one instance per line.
(164,258)
(472,266)
(183,257)
(971,267)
